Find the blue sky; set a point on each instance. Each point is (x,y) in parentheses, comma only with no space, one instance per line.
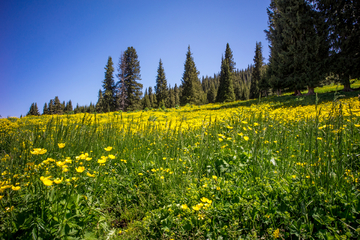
(60,47)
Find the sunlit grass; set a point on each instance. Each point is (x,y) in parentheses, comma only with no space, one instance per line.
(272,168)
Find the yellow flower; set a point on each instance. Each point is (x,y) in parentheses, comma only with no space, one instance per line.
(46,181)
(108,149)
(58,181)
(102,160)
(111,156)
(246,138)
(38,151)
(140,174)
(1,197)
(220,139)
(184,206)
(15,188)
(88,159)
(357,125)
(61,145)
(90,175)
(205,200)
(80,169)
(276,233)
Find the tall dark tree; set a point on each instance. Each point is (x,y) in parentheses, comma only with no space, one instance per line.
(121,91)
(161,89)
(57,106)
(132,76)
(45,109)
(191,85)
(343,22)
(226,88)
(69,106)
(109,87)
(146,100)
(100,103)
(299,35)
(211,94)
(256,74)
(177,95)
(152,98)
(34,110)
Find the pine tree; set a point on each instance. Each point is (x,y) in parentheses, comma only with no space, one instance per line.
(34,111)
(161,89)
(152,98)
(51,107)
(100,103)
(170,100)
(121,86)
(146,100)
(69,106)
(191,86)
(298,45)
(211,94)
(45,109)
(256,74)
(57,106)
(226,88)
(342,19)
(132,76)
(109,87)
(177,95)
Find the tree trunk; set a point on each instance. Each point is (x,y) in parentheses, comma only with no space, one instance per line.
(297,93)
(347,88)
(278,92)
(310,91)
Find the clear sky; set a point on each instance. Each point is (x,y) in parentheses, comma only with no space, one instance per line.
(60,47)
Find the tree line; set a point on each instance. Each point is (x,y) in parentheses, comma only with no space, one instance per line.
(311,43)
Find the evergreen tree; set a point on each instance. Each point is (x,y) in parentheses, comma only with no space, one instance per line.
(177,95)
(191,86)
(57,106)
(298,45)
(211,94)
(100,103)
(161,89)
(109,87)
(256,74)
(121,86)
(152,98)
(51,107)
(226,89)
(69,106)
(132,76)
(45,109)
(229,57)
(33,110)
(170,100)
(146,100)
(342,19)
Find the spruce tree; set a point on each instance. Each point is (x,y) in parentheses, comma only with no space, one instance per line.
(226,88)
(146,100)
(211,94)
(100,103)
(121,92)
(256,74)
(191,86)
(45,109)
(109,87)
(161,89)
(69,106)
(342,19)
(132,76)
(177,95)
(57,106)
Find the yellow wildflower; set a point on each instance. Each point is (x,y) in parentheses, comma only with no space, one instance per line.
(90,175)
(80,169)
(246,138)
(38,151)
(46,181)
(15,188)
(111,156)
(58,181)
(61,145)
(276,233)
(108,149)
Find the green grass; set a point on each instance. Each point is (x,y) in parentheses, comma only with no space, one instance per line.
(248,176)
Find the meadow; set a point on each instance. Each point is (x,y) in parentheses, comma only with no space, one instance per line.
(273,168)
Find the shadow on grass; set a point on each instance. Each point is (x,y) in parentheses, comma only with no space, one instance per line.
(291,101)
